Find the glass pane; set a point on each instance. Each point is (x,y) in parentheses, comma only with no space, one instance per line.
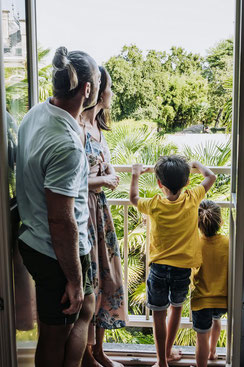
(16,83)
(15,64)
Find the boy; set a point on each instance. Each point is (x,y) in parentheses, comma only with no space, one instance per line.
(173,244)
(209,298)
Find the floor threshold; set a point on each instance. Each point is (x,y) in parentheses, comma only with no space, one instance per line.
(128,354)
(145,361)
(139,361)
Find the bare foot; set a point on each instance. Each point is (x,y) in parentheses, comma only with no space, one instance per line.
(88,360)
(175,355)
(105,361)
(213,356)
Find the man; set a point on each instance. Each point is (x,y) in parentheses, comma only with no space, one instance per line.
(52,196)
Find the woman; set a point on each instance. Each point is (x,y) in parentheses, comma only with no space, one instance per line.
(105,256)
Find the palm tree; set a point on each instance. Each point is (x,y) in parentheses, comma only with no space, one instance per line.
(228,105)
(16,83)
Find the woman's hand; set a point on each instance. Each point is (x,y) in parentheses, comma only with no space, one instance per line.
(110,169)
(111,181)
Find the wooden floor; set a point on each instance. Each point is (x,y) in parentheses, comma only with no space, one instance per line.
(130,355)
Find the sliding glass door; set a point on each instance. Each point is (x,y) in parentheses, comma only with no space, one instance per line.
(18,92)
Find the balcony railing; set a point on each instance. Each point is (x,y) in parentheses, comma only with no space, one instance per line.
(145,320)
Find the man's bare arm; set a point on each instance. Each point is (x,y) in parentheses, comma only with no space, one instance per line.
(65,238)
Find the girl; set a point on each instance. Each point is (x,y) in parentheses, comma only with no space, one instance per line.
(209,297)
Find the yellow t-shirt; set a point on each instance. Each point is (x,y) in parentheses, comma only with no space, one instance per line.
(210,281)
(174,236)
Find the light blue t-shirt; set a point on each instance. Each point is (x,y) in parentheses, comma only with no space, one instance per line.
(50,155)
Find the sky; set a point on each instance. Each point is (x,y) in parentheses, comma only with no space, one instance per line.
(102,27)
(19,6)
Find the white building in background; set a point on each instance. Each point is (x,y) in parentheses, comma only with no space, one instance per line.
(14,39)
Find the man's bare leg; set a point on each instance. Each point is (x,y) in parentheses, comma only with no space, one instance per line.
(51,345)
(160,335)
(98,352)
(174,318)
(202,349)
(214,336)
(77,340)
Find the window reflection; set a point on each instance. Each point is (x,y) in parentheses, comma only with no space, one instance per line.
(16,83)
(12,145)
(15,63)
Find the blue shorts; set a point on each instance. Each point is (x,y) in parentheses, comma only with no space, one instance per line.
(167,285)
(203,319)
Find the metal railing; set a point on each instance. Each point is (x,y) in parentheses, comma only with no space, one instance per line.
(145,320)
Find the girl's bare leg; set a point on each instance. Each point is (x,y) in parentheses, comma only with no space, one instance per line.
(202,349)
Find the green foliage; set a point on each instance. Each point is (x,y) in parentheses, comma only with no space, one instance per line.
(169,88)
(129,335)
(211,153)
(228,85)
(16,84)
(31,335)
(216,57)
(176,89)
(218,69)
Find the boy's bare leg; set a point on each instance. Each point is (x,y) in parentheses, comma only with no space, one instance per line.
(202,349)
(160,335)
(214,336)
(172,328)
(77,340)
(98,352)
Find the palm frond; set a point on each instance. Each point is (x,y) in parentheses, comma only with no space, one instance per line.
(138,297)
(212,153)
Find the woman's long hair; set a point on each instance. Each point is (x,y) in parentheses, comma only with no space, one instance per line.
(103,116)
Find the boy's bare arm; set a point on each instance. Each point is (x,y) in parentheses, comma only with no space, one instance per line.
(137,170)
(210,177)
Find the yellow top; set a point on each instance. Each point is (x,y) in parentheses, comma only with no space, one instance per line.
(210,280)
(174,236)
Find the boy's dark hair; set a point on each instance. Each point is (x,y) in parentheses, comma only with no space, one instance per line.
(173,172)
(209,218)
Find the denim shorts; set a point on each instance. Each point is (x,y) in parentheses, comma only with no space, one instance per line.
(167,285)
(202,320)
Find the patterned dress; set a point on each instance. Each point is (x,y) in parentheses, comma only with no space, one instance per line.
(106,265)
